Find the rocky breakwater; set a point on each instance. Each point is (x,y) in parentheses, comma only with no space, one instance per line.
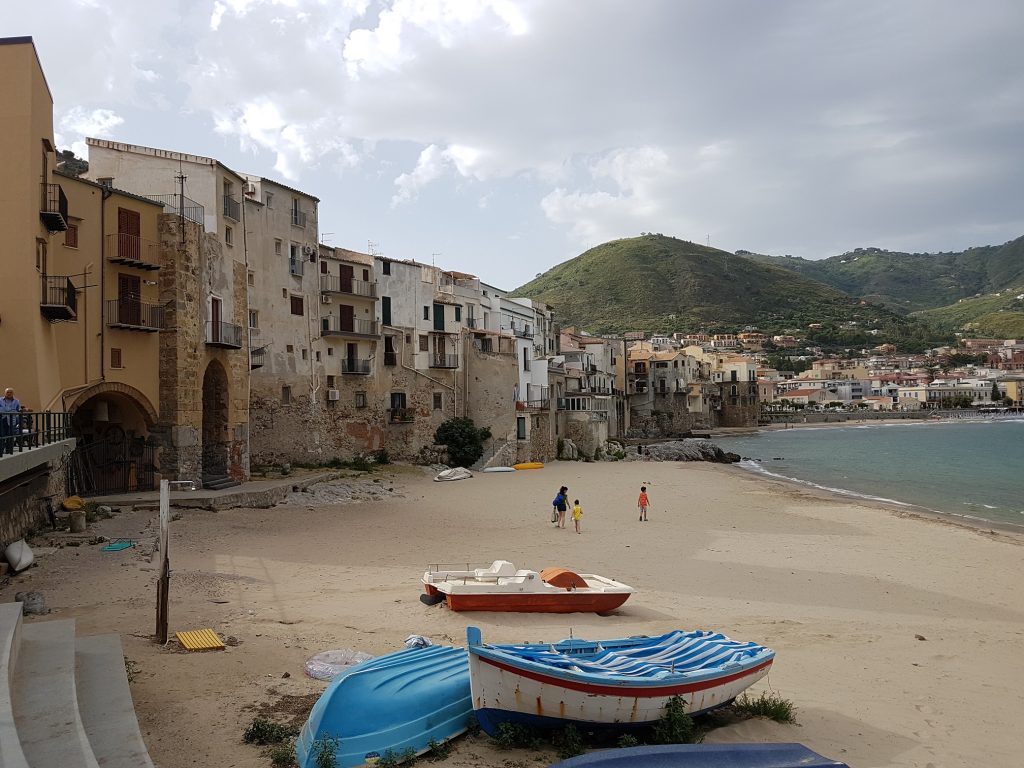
(681,450)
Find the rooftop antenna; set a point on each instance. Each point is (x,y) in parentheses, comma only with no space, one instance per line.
(433,261)
(324,236)
(371,247)
(180,178)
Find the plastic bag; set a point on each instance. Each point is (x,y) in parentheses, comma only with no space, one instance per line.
(327,665)
(19,555)
(417,641)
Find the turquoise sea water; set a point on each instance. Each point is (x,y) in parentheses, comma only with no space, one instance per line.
(973,468)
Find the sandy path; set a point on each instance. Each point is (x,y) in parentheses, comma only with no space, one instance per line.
(839,590)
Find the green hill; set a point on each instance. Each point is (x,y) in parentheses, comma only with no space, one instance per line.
(910,282)
(999,315)
(662,284)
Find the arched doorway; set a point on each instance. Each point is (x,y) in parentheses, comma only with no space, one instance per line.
(115,452)
(215,422)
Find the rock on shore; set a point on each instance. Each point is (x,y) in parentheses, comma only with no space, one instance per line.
(682,450)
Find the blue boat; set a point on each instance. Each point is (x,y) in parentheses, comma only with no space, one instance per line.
(398,702)
(704,756)
(609,684)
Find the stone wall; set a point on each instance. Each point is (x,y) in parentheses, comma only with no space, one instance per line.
(22,509)
(741,409)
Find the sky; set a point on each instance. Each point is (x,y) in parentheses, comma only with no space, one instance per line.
(501,137)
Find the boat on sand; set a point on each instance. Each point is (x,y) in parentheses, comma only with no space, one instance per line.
(393,703)
(502,587)
(704,756)
(608,684)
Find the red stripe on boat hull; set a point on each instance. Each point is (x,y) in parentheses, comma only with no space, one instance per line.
(559,602)
(615,690)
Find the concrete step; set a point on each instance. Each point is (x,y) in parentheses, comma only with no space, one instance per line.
(105,703)
(45,698)
(11,754)
(219,483)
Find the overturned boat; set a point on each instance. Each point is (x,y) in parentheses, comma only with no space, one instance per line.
(609,684)
(501,587)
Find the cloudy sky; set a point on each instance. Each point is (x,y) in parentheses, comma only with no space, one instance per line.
(504,136)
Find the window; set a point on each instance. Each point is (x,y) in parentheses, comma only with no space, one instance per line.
(71,236)
(438,398)
(254,318)
(526,359)
(330,351)
(318,355)
(277,247)
(520,427)
(426,313)
(385,309)
(293,252)
(330,382)
(289,349)
(229,236)
(115,358)
(251,278)
(269,198)
(41,256)
(424,344)
(286,395)
(366,275)
(297,305)
(305,354)
(458,314)
(360,399)
(385,267)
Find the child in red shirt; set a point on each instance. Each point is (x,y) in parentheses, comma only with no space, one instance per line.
(643,503)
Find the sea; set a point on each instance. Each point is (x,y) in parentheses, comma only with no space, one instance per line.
(972,469)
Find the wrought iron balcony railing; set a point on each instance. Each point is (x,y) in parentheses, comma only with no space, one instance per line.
(401,415)
(219,334)
(53,208)
(24,430)
(444,361)
(298,218)
(59,300)
(348,326)
(232,208)
(354,365)
(135,315)
(348,285)
(257,358)
(390,358)
(133,251)
(183,206)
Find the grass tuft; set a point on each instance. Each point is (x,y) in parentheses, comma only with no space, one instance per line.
(675,726)
(768,704)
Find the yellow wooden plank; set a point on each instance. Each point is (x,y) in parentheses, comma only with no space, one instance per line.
(199,640)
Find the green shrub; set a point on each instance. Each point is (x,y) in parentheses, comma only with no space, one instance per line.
(516,736)
(675,726)
(472,725)
(439,750)
(568,742)
(392,759)
(381,456)
(282,755)
(263,731)
(465,441)
(627,740)
(768,704)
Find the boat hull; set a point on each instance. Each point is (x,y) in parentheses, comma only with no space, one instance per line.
(704,756)
(396,702)
(534,602)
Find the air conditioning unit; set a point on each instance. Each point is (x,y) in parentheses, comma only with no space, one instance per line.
(250,189)
(325,299)
(333,395)
(308,249)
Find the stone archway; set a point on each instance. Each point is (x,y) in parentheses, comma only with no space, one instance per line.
(215,422)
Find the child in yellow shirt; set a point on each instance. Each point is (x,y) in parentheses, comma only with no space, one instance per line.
(577,513)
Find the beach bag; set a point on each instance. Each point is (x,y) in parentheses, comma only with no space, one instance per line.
(554,515)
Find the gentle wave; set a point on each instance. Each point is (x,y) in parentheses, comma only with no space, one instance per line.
(755,466)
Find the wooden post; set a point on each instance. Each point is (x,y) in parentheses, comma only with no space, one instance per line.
(164,579)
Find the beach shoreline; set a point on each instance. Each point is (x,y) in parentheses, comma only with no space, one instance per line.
(841,589)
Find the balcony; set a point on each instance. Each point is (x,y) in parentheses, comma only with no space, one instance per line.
(582,404)
(390,358)
(59,300)
(298,218)
(53,208)
(257,358)
(25,430)
(444,361)
(232,208)
(400,415)
(356,366)
(522,330)
(350,326)
(179,205)
(348,285)
(296,266)
(226,335)
(134,315)
(133,251)
(532,405)
(472,322)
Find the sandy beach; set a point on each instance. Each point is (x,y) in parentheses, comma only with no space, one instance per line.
(899,638)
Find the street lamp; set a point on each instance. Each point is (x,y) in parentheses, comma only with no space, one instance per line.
(163,582)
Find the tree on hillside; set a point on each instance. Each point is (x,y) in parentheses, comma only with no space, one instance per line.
(996,396)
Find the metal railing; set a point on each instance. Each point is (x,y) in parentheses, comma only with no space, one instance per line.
(220,334)
(136,314)
(390,358)
(24,430)
(133,251)
(444,361)
(532,405)
(183,206)
(400,415)
(298,218)
(232,208)
(337,284)
(53,207)
(296,265)
(257,357)
(581,404)
(340,326)
(355,365)
(522,330)
(471,322)
(59,295)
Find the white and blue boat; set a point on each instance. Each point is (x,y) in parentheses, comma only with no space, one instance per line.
(704,756)
(395,703)
(610,684)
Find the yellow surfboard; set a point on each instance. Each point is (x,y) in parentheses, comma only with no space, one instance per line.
(529,465)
